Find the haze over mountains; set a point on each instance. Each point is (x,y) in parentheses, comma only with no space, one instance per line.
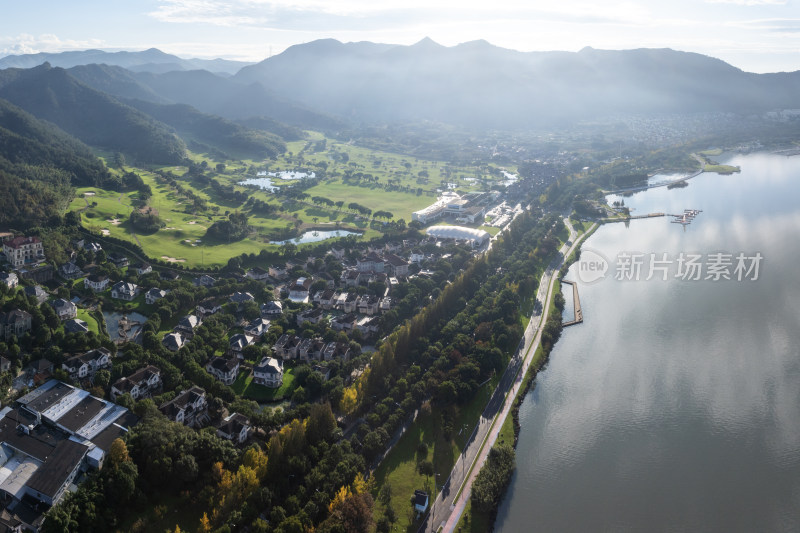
(328,85)
(152,60)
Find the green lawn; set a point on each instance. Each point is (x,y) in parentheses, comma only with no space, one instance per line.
(84,315)
(244,386)
(399,468)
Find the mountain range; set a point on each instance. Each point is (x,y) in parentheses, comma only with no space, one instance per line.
(331,86)
(152,60)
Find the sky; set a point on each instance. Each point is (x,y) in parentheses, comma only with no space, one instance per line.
(754,35)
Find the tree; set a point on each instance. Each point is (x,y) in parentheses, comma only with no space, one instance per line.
(118,453)
(205,524)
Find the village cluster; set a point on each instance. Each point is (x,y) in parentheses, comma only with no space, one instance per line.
(58,423)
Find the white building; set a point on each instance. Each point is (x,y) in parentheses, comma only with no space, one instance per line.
(268,372)
(21,251)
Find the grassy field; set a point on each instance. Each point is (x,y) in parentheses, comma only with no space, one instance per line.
(400,468)
(245,387)
(379,180)
(84,315)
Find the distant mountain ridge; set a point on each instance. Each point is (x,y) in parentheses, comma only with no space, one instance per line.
(151,60)
(478,84)
(92,116)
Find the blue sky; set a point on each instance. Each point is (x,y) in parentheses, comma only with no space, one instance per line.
(755,35)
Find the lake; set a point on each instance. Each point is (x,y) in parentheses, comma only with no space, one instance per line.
(675,406)
(317,235)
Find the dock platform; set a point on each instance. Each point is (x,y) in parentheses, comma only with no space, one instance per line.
(576,300)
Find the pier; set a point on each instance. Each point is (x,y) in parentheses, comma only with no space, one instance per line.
(578,318)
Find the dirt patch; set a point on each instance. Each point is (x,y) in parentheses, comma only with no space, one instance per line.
(194,223)
(170,227)
(105,232)
(114,222)
(172,259)
(89,194)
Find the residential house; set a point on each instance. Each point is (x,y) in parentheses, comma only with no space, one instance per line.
(39,370)
(143,269)
(386,304)
(393,247)
(368,304)
(268,372)
(369,325)
(397,265)
(416,257)
(350,278)
(326,299)
(345,322)
(238,343)
(279,272)
(123,290)
(188,408)
(154,295)
(271,309)
(286,346)
(371,262)
(140,384)
(9,279)
(234,427)
(64,309)
(310,349)
(85,365)
(258,274)
(76,325)
(16,322)
(93,247)
(204,281)
(173,341)
(187,325)
(5,364)
(337,252)
(241,298)
(169,275)
(21,251)
(118,260)
(298,291)
(257,327)
(70,271)
(347,302)
(37,292)
(223,369)
(336,350)
(310,315)
(96,282)
(209,306)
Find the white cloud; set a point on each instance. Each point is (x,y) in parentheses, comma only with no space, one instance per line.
(29,44)
(750,2)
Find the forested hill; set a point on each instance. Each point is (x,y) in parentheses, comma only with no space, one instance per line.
(26,142)
(221,134)
(479,84)
(90,115)
(39,164)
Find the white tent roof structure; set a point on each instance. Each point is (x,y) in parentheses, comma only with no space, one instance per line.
(458,232)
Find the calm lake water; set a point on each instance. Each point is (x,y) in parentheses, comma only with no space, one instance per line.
(675,406)
(316,236)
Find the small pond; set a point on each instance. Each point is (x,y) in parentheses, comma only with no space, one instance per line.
(124,326)
(316,236)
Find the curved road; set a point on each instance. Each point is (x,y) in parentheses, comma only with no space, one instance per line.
(446,508)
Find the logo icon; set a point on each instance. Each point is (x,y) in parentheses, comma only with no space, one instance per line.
(592,266)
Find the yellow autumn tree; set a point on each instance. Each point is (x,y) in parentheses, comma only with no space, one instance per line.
(341,496)
(359,485)
(205,524)
(349,400)
(118,453)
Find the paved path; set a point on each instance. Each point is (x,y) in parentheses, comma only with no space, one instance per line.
(446,510)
